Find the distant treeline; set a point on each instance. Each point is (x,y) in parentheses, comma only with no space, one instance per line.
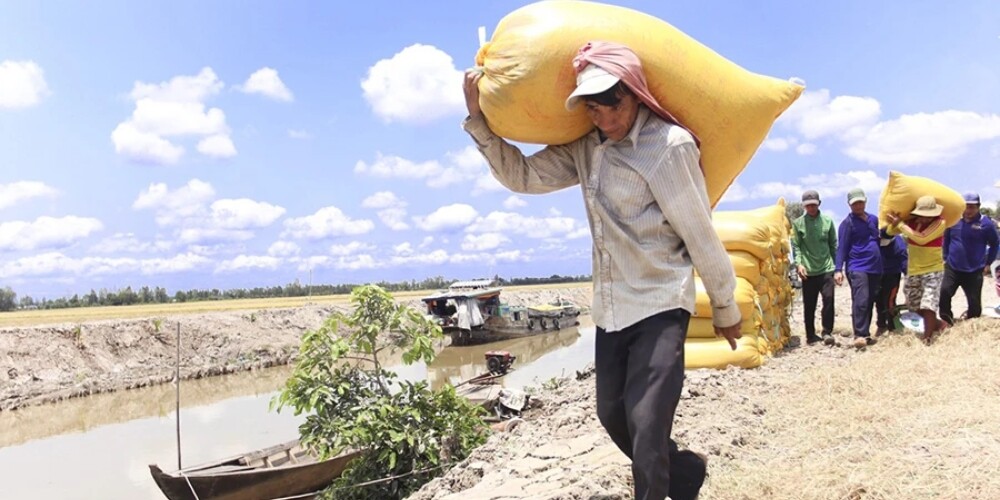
(9,300)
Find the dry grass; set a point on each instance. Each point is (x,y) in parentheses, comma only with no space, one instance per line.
(902,421)
(85,314)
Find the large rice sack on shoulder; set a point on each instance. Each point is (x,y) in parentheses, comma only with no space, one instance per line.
(902,191)
(528,74)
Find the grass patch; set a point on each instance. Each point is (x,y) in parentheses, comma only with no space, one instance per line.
(902,421)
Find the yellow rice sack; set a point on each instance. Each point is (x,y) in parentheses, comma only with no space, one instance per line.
(746,299)
(702,328)
(716,353)
(528,74)
(902,191)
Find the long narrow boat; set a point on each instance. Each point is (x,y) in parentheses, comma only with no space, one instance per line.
(279,471)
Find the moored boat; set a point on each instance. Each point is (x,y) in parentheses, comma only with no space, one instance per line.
(280,471)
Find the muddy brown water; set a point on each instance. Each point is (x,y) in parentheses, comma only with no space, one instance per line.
(99,447)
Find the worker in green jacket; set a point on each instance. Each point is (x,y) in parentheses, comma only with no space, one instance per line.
(814,242)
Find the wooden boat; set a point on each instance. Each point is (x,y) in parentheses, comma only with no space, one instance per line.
(279,471)
(471,312)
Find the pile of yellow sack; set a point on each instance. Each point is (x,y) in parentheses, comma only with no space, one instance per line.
(758,245)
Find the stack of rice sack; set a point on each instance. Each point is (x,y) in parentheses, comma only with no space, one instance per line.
(758,245)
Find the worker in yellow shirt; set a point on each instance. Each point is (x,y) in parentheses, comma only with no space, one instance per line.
(923,232)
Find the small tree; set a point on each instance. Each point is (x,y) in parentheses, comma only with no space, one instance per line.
(410,432)
(794,210)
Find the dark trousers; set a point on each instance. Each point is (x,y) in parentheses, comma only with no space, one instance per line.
(864,290)
(972,287)
(640,373)
(885,304)
(812,288)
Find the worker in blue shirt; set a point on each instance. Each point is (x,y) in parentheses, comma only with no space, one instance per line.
(858,254)
(969,248)
(894,261)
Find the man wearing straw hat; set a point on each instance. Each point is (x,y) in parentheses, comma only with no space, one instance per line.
(969,248)
(650,219)
(924,235)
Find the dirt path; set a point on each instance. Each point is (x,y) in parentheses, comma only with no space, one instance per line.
(42,364)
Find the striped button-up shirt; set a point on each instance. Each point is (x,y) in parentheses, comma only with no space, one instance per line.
(648,211)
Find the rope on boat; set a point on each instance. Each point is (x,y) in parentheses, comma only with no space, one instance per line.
(186,479)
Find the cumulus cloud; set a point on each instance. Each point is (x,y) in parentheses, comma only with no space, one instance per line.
(392,211)
(327,222)
(198,218)
(248,262)
(266,82)
(736,192)
(351,248)
(283,249)
(924,138)
(299,134)
(465,165)
(532,227)
(419,84)
(22,84)
(169,110)
(829,186)
(485,241)
(816,115)
(59,264)
(130,243)
(16,192)
(46,232)
(915,139)
(447,218)
(404,248)
(513,201)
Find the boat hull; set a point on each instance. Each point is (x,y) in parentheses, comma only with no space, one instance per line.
(228,480)
(497,332)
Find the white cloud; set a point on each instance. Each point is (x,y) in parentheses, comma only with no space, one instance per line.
(434,258)
(351,248)
(404,248)
(130,243)
(46,232)
(532,227)
(394,218)
(177,264)
(736,192)
(465,165)
(22,84)
(175,108)
(514,201)
(56,264)
(430,239)
(217,146)
(265,81)
(327,222)
(283,249)
(581,232)
(173,206)
(815,115)
(778,143)
(246,262)
(299,134)
(187,209)
(806,149)
(244,213)
(447,217)
(16,192)
(485,241)
(383,199)
(355,262)
(830,186)
(419,84)
(924,138)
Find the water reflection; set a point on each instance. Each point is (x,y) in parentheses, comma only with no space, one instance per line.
(101,445)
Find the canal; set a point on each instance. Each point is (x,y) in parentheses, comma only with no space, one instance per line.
(100,447)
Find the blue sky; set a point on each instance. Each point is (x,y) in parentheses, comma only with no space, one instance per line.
(234,144)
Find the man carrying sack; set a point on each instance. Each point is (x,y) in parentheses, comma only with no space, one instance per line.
(650,219)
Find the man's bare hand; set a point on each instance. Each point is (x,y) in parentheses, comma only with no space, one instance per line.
(802,272)
(730,333)
(892,217)
(471,87)
(838,278)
